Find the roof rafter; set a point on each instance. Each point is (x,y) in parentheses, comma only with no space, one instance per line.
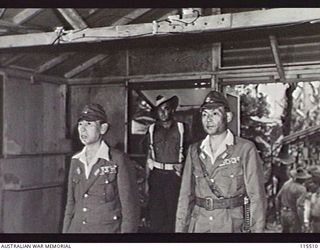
(130,17)
(87,64)
(17,27)
(25,15)
(2,10)
(12,60)
(53,62)
(276,56)
(226,22)
(73,18)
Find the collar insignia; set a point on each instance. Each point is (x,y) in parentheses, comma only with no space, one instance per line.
(202,155)
(229,161)
(96,172)
(108,169)
(78,171)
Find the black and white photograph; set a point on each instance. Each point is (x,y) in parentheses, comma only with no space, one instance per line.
(148,122)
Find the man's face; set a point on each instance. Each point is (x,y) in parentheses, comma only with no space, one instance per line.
(165,112)
(89,132)
(214,121)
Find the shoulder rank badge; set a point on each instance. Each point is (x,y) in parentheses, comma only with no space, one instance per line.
(109,169)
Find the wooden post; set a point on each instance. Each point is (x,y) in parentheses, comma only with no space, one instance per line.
(276,56)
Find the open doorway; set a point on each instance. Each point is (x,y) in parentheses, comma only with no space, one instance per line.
(141,113)
(142,99)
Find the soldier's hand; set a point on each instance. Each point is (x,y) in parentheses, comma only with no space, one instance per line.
(146,189)
(278,221)
(306,227)
(178,169)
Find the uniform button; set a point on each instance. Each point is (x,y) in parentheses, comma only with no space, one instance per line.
(210,218)
(106,182)
(85,195)
(85,209)
(84,222)
(232,176)
(115,217)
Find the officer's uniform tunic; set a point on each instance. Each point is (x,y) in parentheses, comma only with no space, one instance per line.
(235,171)
(105,199)
(287,198)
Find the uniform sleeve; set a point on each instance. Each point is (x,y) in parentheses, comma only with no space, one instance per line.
(186,138)
(128,193)
(69,211)
(278,199)
(186,197)
(254,181)
(307,210)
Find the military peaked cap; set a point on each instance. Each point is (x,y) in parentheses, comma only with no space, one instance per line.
(213,100)
(93,112)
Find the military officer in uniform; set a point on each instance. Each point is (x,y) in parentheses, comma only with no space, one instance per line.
(102,189)
(286,200)
(164,165)
(222,189)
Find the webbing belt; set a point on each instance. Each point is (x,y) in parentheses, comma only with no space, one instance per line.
(165,166)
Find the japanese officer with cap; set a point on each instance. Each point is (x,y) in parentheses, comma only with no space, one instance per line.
(102,189)
(222,188)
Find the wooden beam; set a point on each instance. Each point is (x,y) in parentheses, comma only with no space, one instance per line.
(92,61)
(215,11)
(17,27)
(53,62)
(141,78)
(130,17)
(73,18)
(226,22)
(228,76)
(33,76)
(12,60)
(276,56)
(2,11)
(25,15)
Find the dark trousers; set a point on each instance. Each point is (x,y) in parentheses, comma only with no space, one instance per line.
(163,200)
(315,224)
(290,222)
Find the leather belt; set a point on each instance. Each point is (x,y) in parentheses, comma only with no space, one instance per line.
(315,219)
(210,204)
(166,166)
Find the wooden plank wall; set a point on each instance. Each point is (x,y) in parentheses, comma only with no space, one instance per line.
(33,157)
(172,59)
(33,194)
(32,125)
